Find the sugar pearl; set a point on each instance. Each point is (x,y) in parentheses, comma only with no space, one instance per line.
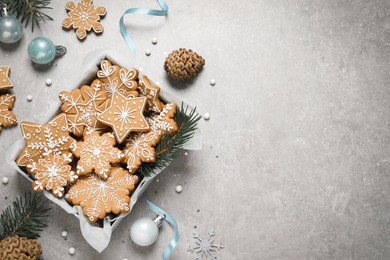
(206,116)
(212,82)
(29,98)
(179,188)
(5,180)
(49,82)
(72,250)
(154,40)
(148,52)
(64,233)
(185,153)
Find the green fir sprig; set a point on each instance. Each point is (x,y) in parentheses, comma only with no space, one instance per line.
(171,145)
(26,217)
(29,11)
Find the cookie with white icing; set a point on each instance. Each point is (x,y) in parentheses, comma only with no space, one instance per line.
(5,82)
(152,93)
(7,118)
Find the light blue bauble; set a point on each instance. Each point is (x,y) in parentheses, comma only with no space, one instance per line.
(11,29)
(41,50)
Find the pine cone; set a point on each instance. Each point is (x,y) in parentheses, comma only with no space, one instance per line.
(183,64)
(19,248)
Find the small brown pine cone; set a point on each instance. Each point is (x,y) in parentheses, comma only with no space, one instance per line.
(183,64)
(19,248)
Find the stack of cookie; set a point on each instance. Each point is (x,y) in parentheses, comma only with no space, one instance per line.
(90,152)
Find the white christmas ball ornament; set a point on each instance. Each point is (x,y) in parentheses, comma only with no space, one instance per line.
(144,231)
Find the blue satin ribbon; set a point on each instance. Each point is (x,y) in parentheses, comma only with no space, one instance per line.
(122,27)
(171,221)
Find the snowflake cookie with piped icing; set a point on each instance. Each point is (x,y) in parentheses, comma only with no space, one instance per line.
(98,197)
(139,147)
(125,115)
(7,118)
(82,107)
(5,82)
(163,122)
(152,93)
(44,140)
(52,173)
(83,17)
(118,80)
(96,153)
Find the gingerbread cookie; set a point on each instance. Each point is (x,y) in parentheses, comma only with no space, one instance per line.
(44,140)
(5,82)
(82,107)
(125,115)
(163,123)
(98,197)
(152,94)
(139,148)
(52,173)
(96,153)
(118,80)
(7,118)
(83,17)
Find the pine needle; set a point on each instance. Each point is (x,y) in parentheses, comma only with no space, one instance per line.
(26,217)
(171,145)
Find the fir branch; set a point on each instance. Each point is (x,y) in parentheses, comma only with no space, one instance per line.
(30,11)
(171,145)
(26,217)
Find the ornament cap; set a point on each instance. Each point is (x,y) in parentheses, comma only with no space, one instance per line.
(60,50)
(3,9)
(158,220)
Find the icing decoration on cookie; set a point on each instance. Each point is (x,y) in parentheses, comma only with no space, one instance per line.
(139,148)
(163,123)
(7,118)
(5,82)
(152,93)
(98,197)
(52,173)
(96,153)
(118,80)
(82,107)
(83,17)
(125,115)
(44,140)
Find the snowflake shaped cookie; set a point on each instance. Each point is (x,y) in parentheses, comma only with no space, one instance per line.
(83,17)
(163,123)
(7,118)
(96,153)
(5,82)
(98,197)
(44,140)
(125,115)
(139,148)
(52,173)
(82,107)
(118,80)
(152,93)
(205,247)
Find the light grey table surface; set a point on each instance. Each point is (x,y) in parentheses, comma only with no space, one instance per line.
(296,156)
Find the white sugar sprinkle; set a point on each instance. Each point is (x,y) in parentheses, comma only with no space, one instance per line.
(179,188)
(148,52)
(72,250)
(64,233)
(212,82)
(29,98)
(5,180)
(154,40)
(48,82)
(206,116)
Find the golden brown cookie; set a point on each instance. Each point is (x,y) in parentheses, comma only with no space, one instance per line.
(99,197)
(44,140)
(5,82)
(7,118)
(83,17)
(152,93)
(96,153)
(163,123)
(118,80)
(139,147)
(82,107)
(125,115)
(52,173)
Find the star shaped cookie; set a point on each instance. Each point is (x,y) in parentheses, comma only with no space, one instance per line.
(5,82)
(44,140)
(98,197)
(125,115)
(7,118)
(96,153)
(83,17)
(152,93)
